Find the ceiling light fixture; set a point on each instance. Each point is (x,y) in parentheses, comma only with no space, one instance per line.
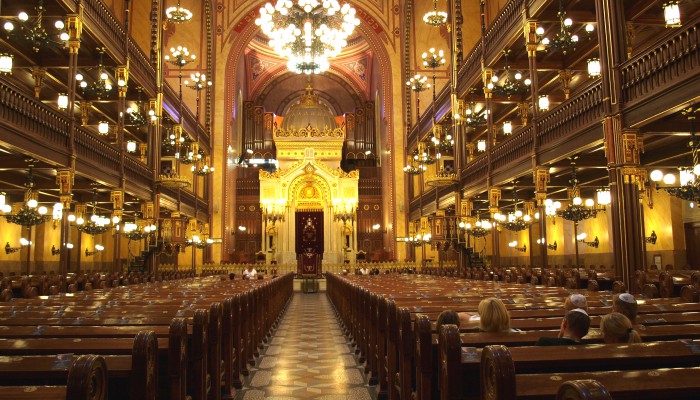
(178,14)
(307,32)
(435,17)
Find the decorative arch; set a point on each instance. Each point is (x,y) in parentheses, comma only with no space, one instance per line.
(300,184)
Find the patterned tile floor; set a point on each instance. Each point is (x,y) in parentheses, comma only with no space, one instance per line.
(307,358)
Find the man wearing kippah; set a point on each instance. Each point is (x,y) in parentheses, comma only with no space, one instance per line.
(625,304)
(574,326)
(576,300)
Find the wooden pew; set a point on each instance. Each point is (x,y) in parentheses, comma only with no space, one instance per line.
(85,380)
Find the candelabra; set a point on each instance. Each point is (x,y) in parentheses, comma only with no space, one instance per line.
(344,209)
(435,17)
(511,84)
(564,40)
(32,31)
(274,209)
(178,14)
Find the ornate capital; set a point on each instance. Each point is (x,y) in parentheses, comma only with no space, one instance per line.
(565,76)
(117,197)
(85,107)
(466,207)
(529,31)
(541,178)
(494,197)
(630,145)
(147,209)
(523,107)
(38,73)
(65,179)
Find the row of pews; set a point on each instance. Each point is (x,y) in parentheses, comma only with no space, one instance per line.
(391,320)
(189,338)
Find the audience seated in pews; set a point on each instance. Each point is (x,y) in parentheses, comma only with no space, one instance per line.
(617,328)
(493,316)
(446,317)
(576,300)
(625,304)
(574,326)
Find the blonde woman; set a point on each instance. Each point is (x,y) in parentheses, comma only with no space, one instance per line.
(617,328)
(493,316)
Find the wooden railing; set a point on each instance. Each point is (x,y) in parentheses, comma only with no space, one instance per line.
(502,27)
(370,187)
(573,115)
(29,117)
(106,23)
(140,65)
(138,176)
(471,68)
(475,171)
(96,151)
(515,148)
(675,56)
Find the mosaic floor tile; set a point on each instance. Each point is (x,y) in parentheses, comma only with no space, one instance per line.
(308,357)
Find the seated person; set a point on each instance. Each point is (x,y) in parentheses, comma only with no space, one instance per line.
(625,304)
(493,316)
(250,272)
(617,328)
(446,317)
(574,326)
(364,270)
(574,301)
(231,276)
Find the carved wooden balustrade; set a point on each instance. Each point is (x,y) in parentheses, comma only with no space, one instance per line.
(141,69)
(501,30)
(100,21)
(475,172)
(31,121)
(515,148)
(572,116)
(673,58)
(470,70)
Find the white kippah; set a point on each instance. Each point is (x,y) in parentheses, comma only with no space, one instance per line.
(581,310)
(578,300)
(627,298)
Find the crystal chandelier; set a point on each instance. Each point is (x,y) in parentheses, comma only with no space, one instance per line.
(28,213)
(512,83)
(435,17)
(32,30)
(689,189)
(564,40)
(178,14)
(307,32)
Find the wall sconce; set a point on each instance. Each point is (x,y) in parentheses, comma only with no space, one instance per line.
(62,101)
(651,239)
(672,14)
(543,102)
(549,246)
(6,63)
(98,248)
(103,127)
(507,128)
(54,250)
(513,245)
(593,67)
(22,242)
(603,196)
(582,238)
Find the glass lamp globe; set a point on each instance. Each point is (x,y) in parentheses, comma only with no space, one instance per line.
(577,201)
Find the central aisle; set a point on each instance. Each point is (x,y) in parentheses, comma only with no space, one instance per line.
(307,358)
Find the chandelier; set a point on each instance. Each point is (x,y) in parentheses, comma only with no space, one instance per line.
(435,17)
(564,40)
(201,166)
(512,84)
(137,115)
(32,30)
(689,189)
(29,213)
(480,228)
(516,220)
(134,231)
(307,32)
(97,224)
(178,14)
(471,116)
(102,87)
(579,209)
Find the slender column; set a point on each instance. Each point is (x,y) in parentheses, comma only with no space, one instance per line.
(541,178)
(117,197)
(65,179)
(494,198)
(74,26)
(531,42)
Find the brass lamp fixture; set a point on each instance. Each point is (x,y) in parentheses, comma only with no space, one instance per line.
(514,245)
(672,14)
(307,32)
(689,188)
(102,87)
(22,243)
(31,29)
(543,242)
(563,40)
(134,231)
(581,238)
(178,14)
(29,213)
(480,228)
(515,221)
(344,209)
(98,248)
(511,83)
(435,17)
(96,224)
(274,209)
(652,238)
